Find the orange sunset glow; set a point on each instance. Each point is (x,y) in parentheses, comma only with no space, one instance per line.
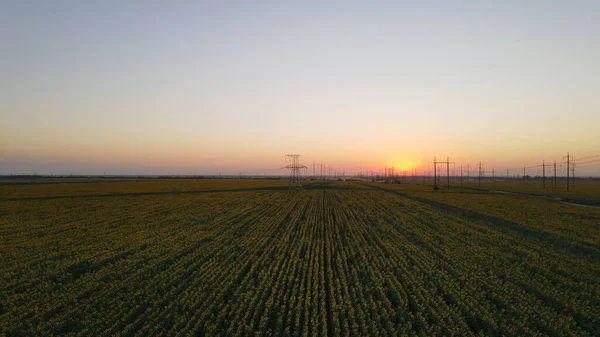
(211,89)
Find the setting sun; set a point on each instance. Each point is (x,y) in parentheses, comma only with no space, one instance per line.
(400,164)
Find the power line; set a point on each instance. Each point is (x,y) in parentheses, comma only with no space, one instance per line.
(589,157)
(589,161)
(588,165)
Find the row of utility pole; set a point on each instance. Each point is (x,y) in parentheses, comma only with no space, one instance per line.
(389,174)
(326,172)
(570,172)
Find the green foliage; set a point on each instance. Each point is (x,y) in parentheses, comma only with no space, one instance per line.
(210,258)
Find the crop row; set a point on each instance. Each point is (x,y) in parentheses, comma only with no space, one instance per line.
(342,260)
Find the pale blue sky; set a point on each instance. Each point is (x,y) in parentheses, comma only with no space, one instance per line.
(201,87)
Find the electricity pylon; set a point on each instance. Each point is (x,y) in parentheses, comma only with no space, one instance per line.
(294,167)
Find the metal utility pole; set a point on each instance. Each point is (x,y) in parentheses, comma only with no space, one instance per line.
(555,174)
(448,171)
(294,167)
(568,157)
(461,176)
(479,174)
(435,172)
(468,172)
(543,174)
(573,175)
(524,175)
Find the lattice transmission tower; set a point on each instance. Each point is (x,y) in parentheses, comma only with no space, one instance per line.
(294,166)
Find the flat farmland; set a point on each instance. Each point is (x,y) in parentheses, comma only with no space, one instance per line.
(250,257)
(583,191)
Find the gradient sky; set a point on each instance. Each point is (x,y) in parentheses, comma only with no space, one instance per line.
(149,87)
